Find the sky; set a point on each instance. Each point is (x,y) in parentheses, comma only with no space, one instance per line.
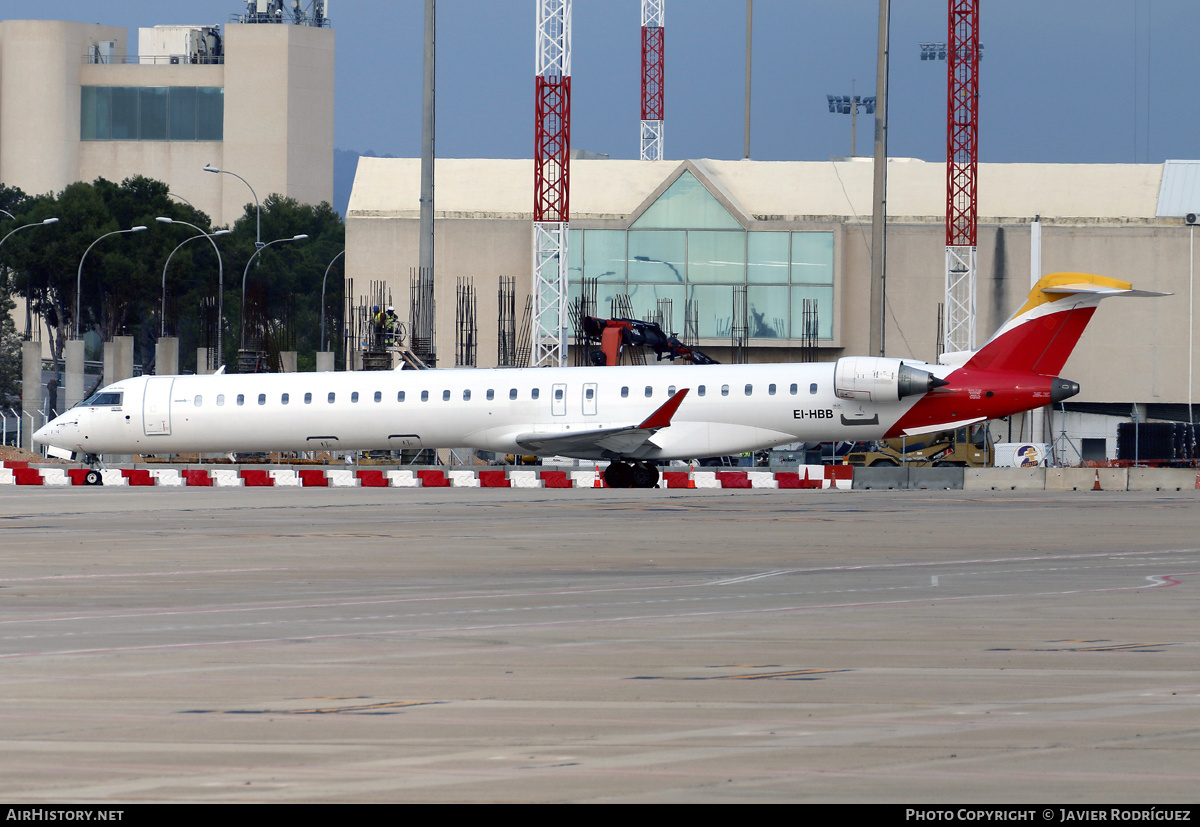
(1062,81)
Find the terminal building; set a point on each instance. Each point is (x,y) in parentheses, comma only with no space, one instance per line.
(80,102)
(696,232)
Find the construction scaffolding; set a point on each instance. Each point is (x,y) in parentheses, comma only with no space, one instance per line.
(265,335)
(464,321)
(810,328)
(739,325)
(421,315)
(506,323)
(581,308)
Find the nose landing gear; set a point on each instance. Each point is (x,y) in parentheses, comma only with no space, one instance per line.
(631,475)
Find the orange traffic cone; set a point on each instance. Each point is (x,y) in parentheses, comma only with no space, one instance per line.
(599,481)
(692,481)
(1096,484)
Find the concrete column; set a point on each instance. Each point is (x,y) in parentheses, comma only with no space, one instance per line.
(166,356)
(202,367)
(31,391)
(325,361)
(118,359)
(287,359)
(73,381)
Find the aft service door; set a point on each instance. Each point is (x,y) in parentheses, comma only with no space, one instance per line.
(156,406)
(558,400)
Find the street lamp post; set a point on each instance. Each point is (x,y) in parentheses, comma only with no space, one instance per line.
(850,105)
(335,258)
(220,278)
(42,223)
(257,207)
(246,272)
(79,275)
(210,236)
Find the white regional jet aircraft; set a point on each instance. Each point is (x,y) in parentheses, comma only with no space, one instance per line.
(632,416)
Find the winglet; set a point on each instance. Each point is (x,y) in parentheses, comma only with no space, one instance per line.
(662,417)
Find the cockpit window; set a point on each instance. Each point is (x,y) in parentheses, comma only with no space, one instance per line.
(104,398)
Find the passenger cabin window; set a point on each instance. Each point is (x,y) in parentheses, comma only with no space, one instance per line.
(558,393)
(241,399)
(466,396)
(533,394)
(491,394)
(649,391)
(512,394)
(749,390)
(724,390)
(220,399)
(625,393)
(400,396)
(262,399)
(794,389)
(378,396)
(589,394)
(771,389)
(332,397)
(308,399)
(812,388)
(199,400)
(445,396)
(700,390)
(354,396)
(424,396)
(285,398)
(670,390)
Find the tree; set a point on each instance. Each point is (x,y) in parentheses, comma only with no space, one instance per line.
(120,281)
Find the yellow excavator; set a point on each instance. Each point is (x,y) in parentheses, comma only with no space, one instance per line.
(967,447)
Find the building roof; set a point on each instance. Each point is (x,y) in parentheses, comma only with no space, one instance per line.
(780,190)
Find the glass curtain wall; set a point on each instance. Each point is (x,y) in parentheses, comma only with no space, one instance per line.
(687,248)
(152,113)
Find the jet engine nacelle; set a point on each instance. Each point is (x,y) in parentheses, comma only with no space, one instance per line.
(879,379)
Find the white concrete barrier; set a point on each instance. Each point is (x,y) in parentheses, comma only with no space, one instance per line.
(340,478)
(225,478)
(6,477)
(1084,479)
(285,477)
(762,479)
(463,479)
(706,479)
(524,479)
(1163,479)
(109,476)
(57,476)
(1004,479)
(403,479)
(166,476)
(584,479)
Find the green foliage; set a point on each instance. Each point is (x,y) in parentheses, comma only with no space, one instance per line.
(122,276)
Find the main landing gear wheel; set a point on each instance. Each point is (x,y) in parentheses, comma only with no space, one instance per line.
(627,475)
(93,477)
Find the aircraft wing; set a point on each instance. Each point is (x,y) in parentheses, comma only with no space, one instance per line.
(620,441)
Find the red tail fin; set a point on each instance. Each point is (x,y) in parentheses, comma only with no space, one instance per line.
(1041,335)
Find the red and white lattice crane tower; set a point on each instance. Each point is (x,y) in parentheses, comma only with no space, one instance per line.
(962,167)
(654,70)
(551,183)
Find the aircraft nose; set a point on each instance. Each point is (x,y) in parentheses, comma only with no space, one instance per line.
(42,434)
